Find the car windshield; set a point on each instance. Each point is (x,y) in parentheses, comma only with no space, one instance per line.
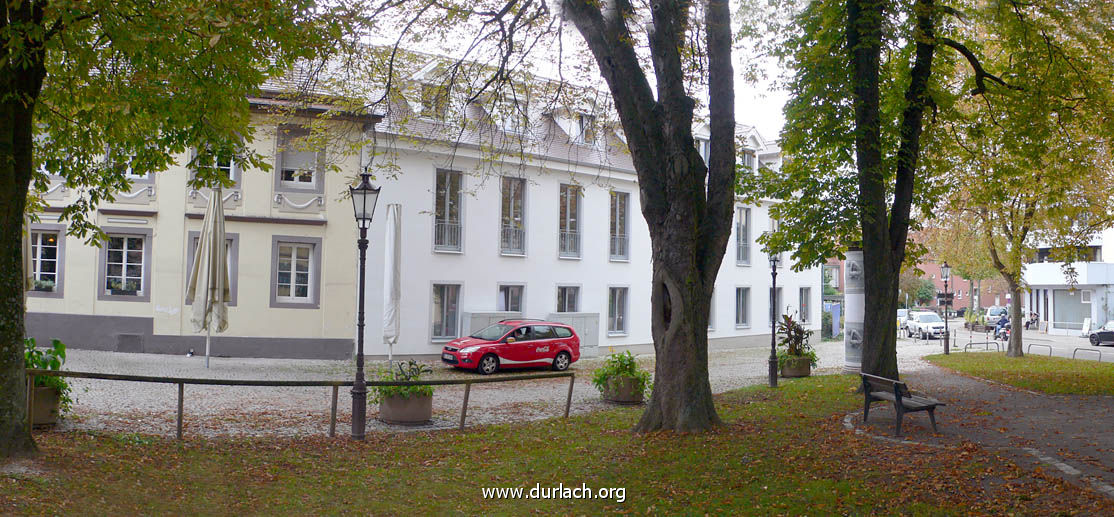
(493,332)
(901,313)
(928,318)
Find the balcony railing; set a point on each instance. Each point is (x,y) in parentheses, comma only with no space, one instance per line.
(620,249)
(513,240)
(446,236)
(569,244)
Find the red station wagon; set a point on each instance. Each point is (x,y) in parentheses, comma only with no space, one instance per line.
(515,344)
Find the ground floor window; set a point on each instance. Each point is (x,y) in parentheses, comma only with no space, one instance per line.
(617,310)
(742,306)
(568,298)
(510,298)
(44,261)
(806,308)
(294,272)
(446,303)
(124,273)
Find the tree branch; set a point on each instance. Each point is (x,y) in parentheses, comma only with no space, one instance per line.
(981,75)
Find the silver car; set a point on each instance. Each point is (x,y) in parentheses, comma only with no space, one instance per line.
(926,325)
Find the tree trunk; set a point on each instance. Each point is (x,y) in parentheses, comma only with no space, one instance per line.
(15,175)
(1017,325)
(20,84)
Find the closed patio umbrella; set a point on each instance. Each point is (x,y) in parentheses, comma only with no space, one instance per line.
(392,280)
(28,272)
(208,280)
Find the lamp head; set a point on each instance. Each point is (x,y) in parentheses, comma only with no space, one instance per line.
(364,197)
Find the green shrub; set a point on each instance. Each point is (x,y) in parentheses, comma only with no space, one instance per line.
(618,366)
(408,371)
(49,359)
(826,325)
(795,343)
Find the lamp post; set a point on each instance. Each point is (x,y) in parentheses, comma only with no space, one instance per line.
(773,320)
(364,197)
(946,274)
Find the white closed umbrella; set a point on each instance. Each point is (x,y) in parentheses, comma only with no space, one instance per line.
(208,284)
(28,271)
(392,280)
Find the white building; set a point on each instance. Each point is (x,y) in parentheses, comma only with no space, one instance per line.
(1064,306)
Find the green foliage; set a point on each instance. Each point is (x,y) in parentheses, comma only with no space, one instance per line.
(825,325)
(794,342)
(408,371)
(49,359)
(621,366)
(925,292)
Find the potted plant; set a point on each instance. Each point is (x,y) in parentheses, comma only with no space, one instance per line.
(620,380)
(405,405)
(115,287)
(795,356)
(52,394)
(46,286)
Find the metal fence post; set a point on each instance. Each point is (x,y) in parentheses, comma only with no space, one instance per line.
(181,395)
(464,408)
(333,415)
(568,401)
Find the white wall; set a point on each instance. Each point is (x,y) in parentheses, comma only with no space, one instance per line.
(480,268)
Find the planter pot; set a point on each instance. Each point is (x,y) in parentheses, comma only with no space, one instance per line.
(622,390)
(415,410)
(46,406)
(123,292)
(44,289)
(796,367)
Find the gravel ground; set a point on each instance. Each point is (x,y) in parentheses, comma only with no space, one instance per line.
(117,406)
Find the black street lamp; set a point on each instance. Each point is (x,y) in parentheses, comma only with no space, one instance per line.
(946,273)
(773,320)
(364,197)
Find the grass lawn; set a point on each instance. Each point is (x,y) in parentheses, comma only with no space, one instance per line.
(779,452)
(1055,375)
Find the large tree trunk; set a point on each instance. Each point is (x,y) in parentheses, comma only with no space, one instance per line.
(884,229)
(686,202)
(20,84)
(15,175)
(1017,325)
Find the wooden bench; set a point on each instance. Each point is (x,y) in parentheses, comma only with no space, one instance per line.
(880,388)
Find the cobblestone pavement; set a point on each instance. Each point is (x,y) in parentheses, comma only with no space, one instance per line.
(231,410)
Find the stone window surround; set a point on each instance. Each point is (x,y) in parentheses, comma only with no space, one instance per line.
(237,171)
(283,134)
(148,240)
(60,265)
(233,259)
(315,272)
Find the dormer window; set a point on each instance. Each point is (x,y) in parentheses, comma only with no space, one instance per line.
(585,125)
(703,146)
(435,101)
(750,161)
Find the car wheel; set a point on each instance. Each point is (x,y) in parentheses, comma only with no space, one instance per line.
(1094,340)
(562,361)
(489,364)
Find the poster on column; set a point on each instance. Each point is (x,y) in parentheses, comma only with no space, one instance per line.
(854,297)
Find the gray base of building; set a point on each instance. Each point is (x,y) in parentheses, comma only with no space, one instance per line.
(136,335)
(719,343)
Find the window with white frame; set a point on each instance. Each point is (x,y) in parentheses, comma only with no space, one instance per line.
(434,100)
(750,161)
(569,224)
(512,231)
(510,298)
(617,310)
(806,304)
(703,146)
(620,235)
(446,302)
(295,280)
(298,166)
(124,271)
(568,297)
(775,225)
(44,260)
(742,306)
(1085,296)
(446,211)
(585,126)
(742,236)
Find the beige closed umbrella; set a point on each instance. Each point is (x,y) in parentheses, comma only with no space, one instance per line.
(208,281)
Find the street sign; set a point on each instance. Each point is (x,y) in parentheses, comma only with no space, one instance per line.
(940,297)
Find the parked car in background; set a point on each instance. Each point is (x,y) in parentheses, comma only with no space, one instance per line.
(926,325)
(902,315)
(515,344)
(1103,335)
(995,312)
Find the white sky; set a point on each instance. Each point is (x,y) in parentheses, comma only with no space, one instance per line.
(760,105)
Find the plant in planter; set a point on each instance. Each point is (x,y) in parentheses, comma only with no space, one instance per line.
(52,394)
(621,380)
(46,286)
(406,405)
(118,288)
(795,356)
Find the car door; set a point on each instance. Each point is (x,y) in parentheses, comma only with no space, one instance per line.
(512,353)
(543,348)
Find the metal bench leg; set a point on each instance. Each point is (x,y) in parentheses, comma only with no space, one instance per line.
(932,418)
(900,414)
(866,408)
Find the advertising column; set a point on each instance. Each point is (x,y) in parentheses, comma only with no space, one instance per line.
(854,299)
